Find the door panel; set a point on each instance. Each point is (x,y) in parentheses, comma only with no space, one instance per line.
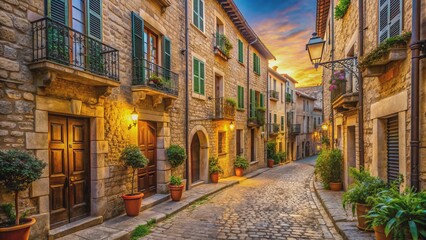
(147,140)
(195,159)
(69,169)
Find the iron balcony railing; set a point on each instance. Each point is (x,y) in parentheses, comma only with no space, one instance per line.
(221,40)
(274,94)
(224,109)
(294,129)
(339,91)
(273,128)
(288,98)
(56,42)
(154,76)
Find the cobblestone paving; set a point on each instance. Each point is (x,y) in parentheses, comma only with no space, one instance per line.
(278,204)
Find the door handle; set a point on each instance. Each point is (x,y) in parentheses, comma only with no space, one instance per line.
(72,178)
(70,145)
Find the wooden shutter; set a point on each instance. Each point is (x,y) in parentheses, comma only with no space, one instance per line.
(282,123)
(94,19)
(57,10)
(240,97)
(240,51)
(254,62)
(195,16)
(390,19)
(201,78)
(137,48)
(201,15)
(392,137)
(196,73)
(262,101)
(252,102)
(167,57)
(258,64)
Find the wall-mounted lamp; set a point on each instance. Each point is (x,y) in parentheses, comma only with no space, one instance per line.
(231,126)
(135,118)
(324,127)
(262,134)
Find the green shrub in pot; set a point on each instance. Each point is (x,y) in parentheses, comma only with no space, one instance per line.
(328,166)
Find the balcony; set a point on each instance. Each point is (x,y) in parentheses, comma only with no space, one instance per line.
(154,80)
(224,109)
(273,128)
(345,96)
(274,95)
(61,52)
(294,129)
(288,98)
(222,46)
(257,118)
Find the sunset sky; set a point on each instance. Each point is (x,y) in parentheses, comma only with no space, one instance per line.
(285,26)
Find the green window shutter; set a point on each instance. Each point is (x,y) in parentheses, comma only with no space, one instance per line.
(137,48)
(198,14)
(240,97)
(282,123)
(252,102)
(262,103)
(195,18)
(57,10)
(201,14)
(196,73)
(167,53)
(201,78)
(258,65)
(240,51)
(94,19)
(275,118)
(254,62)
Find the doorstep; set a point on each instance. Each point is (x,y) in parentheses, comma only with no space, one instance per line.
(342,219)
(121,227)
(74,227)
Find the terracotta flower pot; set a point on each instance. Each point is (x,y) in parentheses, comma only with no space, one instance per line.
(379,232)
(214,177)
(361,211)
(19,232)
(239,171)
(336,186)
(176,192)
(270,163)
(132,203)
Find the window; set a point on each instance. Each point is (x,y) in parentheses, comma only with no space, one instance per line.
(198,73)
(150,46)
(240,104)
(282,92)
(275,85)
(239,142)
(256,63)
(252,103)
(198,16)
(221,143)
(240,51)
(390,19)
(392,148)
(282,123)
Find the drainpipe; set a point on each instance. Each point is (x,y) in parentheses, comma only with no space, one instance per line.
(186,91)
(415,86)
(360,84)
(332,71)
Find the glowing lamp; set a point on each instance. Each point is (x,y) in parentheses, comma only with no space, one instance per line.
(134,115)
(231,126)
(315,49)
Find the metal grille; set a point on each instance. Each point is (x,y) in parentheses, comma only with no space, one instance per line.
(392,140)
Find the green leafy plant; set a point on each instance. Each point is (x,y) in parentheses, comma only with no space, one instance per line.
(271,149)
(214,165)
(325,141)
(175,181)
(223,43)
(288,98)
(156,80)
(384,48)
(134,158)
(18,169)
(231,102)
(329,166)
(142,230)
(9,210)
(341,8)
(241,162)
(281,156)
(176,155)
(364,185)
(260,115)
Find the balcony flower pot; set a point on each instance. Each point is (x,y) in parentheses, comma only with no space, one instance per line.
(240,165)
(133,157)
(379,233)
(132,203)
(361,211)
(18,169)
(214,169)
(271,163)
(176,188)
(336,186)
(239,172)
(18,232)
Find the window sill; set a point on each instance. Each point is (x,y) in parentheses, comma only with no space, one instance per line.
(255,162)
(221,154)
(199,30)
(241,109)
(199,96)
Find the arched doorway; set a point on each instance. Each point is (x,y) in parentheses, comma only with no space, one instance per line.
(198,156)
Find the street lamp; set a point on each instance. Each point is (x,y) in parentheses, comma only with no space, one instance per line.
(134,115)
(231,126)
(315,49)
(324,127)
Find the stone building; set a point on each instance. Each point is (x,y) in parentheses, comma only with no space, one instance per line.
(305,140)
(74,73)
(292,127)
(386,87)
(277,109)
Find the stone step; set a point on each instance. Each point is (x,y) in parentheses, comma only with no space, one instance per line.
(74,227)
(154,200)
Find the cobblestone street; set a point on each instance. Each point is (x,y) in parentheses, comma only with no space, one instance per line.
(278,204)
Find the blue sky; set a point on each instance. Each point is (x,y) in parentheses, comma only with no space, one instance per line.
(285,26)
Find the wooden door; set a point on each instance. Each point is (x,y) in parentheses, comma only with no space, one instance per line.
(195,159)
(238,145)
(147,140)
(69,172)
(252,146)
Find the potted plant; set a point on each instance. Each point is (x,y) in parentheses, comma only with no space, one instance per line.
(356,197)
(18,169)
(133,157)
(156,80)
(176,188)
(270,153)
(176,156)
(240,164)
(214,169)
(329,168)
(281,156)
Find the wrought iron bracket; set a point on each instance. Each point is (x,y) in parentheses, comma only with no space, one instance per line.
(349,64)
